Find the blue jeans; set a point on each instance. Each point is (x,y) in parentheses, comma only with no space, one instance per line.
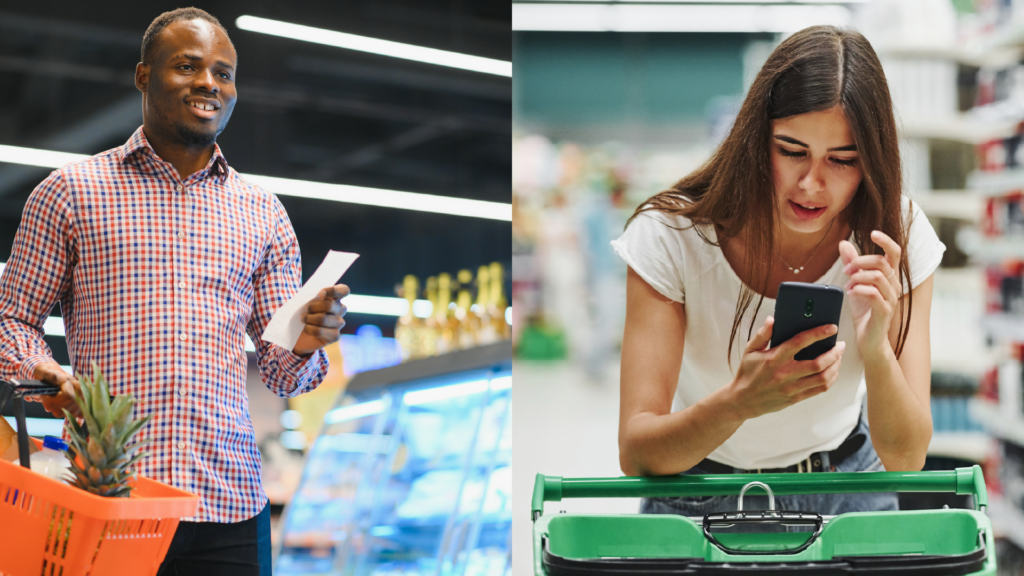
(863,460)
(220,549)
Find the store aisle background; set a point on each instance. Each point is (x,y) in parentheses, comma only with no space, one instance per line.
(614,103)
(565,424)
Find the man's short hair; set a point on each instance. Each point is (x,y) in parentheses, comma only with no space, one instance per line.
(167,18)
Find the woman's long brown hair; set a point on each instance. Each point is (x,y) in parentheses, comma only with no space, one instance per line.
(815,69)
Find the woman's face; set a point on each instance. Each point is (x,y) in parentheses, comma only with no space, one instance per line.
(816,168)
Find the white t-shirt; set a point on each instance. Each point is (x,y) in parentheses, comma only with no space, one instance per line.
(682,267)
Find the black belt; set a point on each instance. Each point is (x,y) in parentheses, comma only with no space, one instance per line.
(813,463)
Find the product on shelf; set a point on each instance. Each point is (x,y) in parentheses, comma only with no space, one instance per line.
(454,325)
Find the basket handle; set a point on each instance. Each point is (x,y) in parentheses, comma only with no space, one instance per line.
(15,390)
(762,517)
(960,481)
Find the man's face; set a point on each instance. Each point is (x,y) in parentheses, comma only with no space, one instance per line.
(190,87)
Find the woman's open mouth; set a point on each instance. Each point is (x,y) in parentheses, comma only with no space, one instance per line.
(806,212)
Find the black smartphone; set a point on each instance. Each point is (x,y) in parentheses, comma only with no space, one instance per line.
(799,307)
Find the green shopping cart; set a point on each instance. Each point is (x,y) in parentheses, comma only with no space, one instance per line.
(942,542)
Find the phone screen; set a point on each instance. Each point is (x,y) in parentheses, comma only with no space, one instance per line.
(800,307)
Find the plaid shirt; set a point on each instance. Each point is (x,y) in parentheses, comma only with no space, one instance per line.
(158,280)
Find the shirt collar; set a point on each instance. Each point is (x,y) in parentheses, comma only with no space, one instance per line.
(138,143)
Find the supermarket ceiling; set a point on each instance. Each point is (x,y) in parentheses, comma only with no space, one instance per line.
(305,111)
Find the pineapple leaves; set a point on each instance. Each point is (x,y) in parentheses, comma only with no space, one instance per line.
(100,444)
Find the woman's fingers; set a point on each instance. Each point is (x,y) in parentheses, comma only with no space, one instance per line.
(873,279)
(892,250)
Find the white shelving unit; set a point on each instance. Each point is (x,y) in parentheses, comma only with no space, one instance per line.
(1007,520)
(962,204)
(989,250)
(1006,327)
(987,183)
(960,128)
(996,422)
(973,446)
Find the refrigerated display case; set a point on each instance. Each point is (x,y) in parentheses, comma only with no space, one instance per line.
(410,474)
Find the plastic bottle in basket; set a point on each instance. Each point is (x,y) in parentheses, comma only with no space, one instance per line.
(52,460)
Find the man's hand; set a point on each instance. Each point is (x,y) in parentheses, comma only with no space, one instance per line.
(323,319)
(51,373)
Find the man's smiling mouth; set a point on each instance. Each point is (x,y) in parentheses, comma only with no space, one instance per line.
(204,110)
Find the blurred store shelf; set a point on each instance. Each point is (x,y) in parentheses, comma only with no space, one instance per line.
(1001,52)
(989,250)
(961,128)
(996,422)
(961,204)
(1003,327)
(973,446)
(1007,520)
(990,183)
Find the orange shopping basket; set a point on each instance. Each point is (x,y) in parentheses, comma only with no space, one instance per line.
(49,528)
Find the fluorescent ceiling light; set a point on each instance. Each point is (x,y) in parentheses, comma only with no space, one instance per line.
(375,45)
(307,189)
(566,17)
(386,306)
(697,2)
(384,198)
(354,411)
(37,157)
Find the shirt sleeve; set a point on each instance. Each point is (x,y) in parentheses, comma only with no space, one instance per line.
(37,274)
(651,247)
(924,249)
(276,280)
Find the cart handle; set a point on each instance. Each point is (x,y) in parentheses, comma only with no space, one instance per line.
(960,481)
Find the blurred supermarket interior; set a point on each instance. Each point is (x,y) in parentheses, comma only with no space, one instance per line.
(614,102)
(429,305)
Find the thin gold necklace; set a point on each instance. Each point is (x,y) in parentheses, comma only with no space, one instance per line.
(813,252)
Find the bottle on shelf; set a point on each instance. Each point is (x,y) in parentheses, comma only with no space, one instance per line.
(431,327)
(496,304)
(469,322)
(447,339)
(486,333)
(409,329)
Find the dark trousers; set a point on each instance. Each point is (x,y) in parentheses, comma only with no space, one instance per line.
(220,549)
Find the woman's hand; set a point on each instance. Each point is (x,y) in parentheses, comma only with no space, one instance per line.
(873,290)
(769,380)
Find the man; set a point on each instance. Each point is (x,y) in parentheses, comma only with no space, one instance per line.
(162,258)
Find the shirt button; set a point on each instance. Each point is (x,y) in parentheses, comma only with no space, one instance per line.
(183,336)
(183,391)
(179,187)
(182,284)
(181,234)
(181,445)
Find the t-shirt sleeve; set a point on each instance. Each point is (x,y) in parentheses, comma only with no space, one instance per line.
(652,246)
(924,249)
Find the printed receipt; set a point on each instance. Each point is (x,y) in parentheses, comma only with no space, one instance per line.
(286,325)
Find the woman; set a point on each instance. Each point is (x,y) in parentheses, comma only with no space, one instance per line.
(806,187)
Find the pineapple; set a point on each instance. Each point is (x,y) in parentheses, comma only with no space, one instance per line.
(102,443)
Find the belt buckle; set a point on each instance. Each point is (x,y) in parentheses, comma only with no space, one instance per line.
(806,462)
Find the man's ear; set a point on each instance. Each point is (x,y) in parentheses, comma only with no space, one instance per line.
(142,77)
